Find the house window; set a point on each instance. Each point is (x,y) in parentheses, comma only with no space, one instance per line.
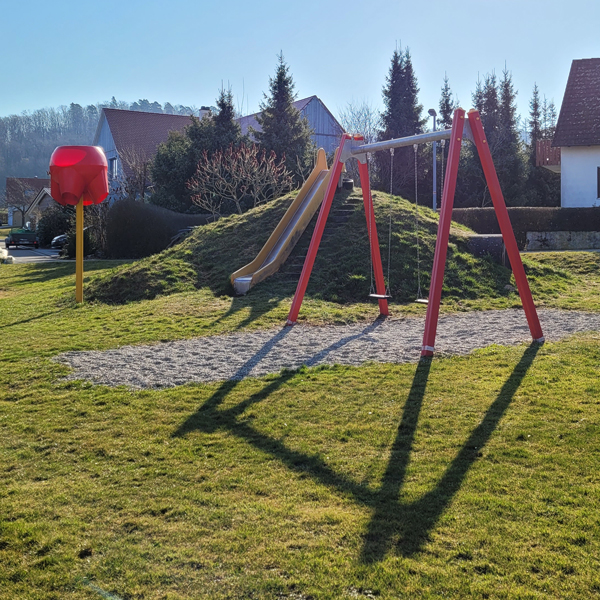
(112,168)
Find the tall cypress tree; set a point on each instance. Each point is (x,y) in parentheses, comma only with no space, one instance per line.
(509,158)
(542,187)
(227,130)
(402,116)
(284,130)
(534,123)
(447,106)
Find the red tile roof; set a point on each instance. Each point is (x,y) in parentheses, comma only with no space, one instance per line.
(24,188)
(142,131)
(579,119)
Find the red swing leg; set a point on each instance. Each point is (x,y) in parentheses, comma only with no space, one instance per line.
(443,234)
(363,170)
(508,235)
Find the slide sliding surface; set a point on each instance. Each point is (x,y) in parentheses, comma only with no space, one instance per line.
(289,230)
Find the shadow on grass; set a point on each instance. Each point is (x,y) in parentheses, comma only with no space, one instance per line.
(407,526)
(44,272)
(402,527)
(207,413)
(258,304)
(31,319)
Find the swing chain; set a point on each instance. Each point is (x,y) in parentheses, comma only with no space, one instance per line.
(443,148)
(389,260)
(419,293)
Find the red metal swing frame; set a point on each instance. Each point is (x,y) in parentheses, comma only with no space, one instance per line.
(349,148)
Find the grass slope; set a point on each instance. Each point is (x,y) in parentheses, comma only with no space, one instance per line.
(342,270)
(471,477)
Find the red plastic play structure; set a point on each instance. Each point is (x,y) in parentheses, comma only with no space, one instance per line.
(352,147)
(78,176)
(78,172)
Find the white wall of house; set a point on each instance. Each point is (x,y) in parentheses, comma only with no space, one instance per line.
(579,176)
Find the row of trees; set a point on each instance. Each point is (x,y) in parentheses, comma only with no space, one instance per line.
(522,182)
(212,167)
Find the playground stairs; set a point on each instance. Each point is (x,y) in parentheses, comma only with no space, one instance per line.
(338,217)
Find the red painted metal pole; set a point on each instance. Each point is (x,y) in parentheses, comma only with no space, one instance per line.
(443,234)
(363,170)
(506,229)
(309,261)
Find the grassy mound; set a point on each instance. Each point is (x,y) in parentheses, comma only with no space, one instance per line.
(342,269)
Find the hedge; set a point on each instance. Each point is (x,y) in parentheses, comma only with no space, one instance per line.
(524,219)
(135,229)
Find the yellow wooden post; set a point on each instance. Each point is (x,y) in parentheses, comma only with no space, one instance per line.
(79,251)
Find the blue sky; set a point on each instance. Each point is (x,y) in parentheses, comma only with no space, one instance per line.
(182,51)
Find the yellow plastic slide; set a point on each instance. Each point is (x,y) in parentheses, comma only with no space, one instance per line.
(287,233)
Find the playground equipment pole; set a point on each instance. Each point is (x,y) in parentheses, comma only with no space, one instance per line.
(411,140)
(79,251)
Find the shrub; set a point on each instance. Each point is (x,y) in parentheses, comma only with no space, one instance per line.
(524,219)
(89,247)
(237,179)
(55,221)
(135,229)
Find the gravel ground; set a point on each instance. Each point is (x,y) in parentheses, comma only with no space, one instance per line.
(239,355)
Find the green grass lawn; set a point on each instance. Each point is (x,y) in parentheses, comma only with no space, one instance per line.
(472,477)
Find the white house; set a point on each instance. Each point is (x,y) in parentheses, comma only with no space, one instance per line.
(578,136)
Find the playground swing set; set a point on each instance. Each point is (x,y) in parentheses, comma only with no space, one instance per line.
(353,146)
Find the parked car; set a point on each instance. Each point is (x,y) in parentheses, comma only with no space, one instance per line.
(21,237)
(59,241)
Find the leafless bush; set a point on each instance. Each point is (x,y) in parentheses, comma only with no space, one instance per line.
(238,178)
(136,179)
(361,119)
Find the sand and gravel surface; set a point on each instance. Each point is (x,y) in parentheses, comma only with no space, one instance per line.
(250,354)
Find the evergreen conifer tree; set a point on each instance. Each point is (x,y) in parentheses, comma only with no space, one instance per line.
(402,116)
(534,123)
(447,106)
(542,187)
(177,159)
(227,130)
(509,158)
(477,96)
(283,129)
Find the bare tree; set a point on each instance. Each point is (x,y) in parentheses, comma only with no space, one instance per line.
(244,176)
(136,179)
(19,196)
(360,119)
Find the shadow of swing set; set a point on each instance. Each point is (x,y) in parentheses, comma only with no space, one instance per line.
(352,146)
(405,526)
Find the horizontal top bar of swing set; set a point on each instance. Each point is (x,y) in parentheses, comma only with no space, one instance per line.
(422,138)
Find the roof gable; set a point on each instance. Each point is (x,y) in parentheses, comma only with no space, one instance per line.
(251,121)
(142,131)
(24,189)
(579,120)
(40,196)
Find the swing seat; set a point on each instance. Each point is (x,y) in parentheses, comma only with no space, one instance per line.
(422,301)
(380,296)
